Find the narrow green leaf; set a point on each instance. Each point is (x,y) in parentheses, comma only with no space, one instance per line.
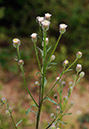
(7,105)
(29,110)
(67,114)
(56,121)
(62,122)
(38,73)
(19,122)
(49,67)
(69,70)
(34,112)
(40,51)
(48,49)
(52,101)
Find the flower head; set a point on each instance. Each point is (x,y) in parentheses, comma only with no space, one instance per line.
(62,28)
(65,62)
(82,74)
(45,25)
(34,37)
(52,57)
(79,54)
(37,83)
(40,20)
(21,62)
(3,100)
(78,67)
(48,16)
(16,42)
(47,41)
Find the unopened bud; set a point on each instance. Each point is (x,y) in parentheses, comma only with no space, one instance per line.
(45,25)
(3,100)
(63,83)
(58,108)
(78,67)
(52,57)
(48,16)
(58,78)
(79,54)
(52,115)
(55,96)
(65,63)
(21,62)
(10,109)
(82,74)
(7,112)
(71,103)
(65,98)
(62,28)
(37,83)
(34,37)
(16,42)
(70,83)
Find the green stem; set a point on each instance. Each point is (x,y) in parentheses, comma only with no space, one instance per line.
(22,70)
(1,122)
(13,120)
(1,105)
(18,53)
(37,56)
(54,49)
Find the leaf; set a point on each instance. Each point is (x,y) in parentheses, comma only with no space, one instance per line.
(29,110)
(48,49)
(52,101)
(56,121)
(40,51)
(62,122)
(19,122)
(34,112)
(67,114)
(49,67)
(38,73)
(7,105)
(45,82)
(69,70)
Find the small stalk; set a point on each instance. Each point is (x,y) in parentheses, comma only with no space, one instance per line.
(13,120)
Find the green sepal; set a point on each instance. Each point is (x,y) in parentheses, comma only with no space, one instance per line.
(19,122)
(52,101)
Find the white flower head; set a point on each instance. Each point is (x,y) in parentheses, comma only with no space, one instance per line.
(40,20)
(65,62)
(79,54)
(45,25)
(16,42)
(48,16)
(62,28)
(34,37)
(78,67)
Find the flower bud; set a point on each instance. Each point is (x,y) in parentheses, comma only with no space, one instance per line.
(63,83)
(37,83)
(16,42)
(71,103)
(48,16)
(21,62)
(52,58)
(55,96)
(70,89)
(47,41)
(65,98)
(62,28)
(82,74)
(3,100)
(52,115)
(34,37)
(58,108)
(65,63)
(79,54)
(57,78)
(7,112)
(45,25)
(70,83)
(78,67)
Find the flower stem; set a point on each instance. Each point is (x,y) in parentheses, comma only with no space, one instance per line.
(13,120)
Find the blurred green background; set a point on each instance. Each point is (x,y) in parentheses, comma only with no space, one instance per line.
(18,20)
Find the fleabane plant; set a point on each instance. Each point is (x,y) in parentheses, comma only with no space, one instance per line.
(47,60)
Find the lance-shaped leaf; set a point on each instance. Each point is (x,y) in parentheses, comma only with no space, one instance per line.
(48,49)
(40,51)
(52,101)
(38,73)
(19,122)
(67,114)
(29,110)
